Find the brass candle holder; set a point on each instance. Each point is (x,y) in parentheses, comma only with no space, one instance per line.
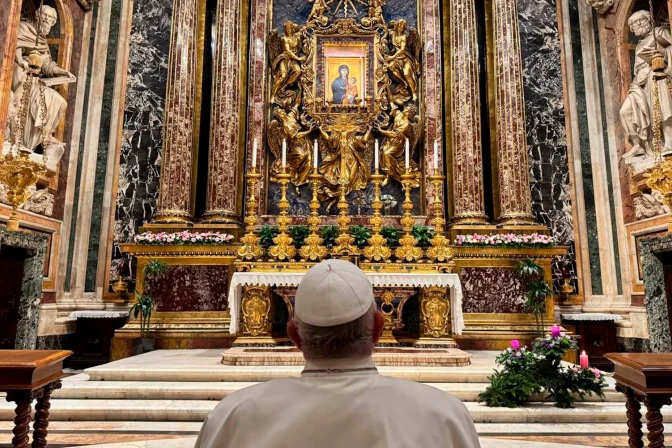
(440,250)
(283,249)
(345,242)
(408,249)
(660,179)
(250,249)
(313,250)
(377,250)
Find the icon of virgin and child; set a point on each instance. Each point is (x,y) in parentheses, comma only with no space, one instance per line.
(344,88)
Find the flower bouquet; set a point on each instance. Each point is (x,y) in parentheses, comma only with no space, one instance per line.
(182,238)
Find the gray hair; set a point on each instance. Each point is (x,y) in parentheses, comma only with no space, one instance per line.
(641,14)
(49,11)
(352,339)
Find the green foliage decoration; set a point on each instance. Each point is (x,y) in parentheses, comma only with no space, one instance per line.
(266,235)
(424,235)
(361,234)
(392,235)
(145,304)
(329,235)
(538,290)
(299,235)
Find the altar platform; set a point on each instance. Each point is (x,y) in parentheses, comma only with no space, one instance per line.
(168,393)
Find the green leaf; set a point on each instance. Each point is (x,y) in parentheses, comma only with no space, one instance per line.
(299,235)
(329,235)
(424,235)
(392,235)
(361,234)
(266,235)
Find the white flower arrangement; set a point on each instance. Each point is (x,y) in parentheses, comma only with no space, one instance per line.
(182,238)
(505,240)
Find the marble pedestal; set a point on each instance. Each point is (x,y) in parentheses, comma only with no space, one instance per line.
(656,257)
(31,249)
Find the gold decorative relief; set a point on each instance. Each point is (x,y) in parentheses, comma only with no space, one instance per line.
(256,307)
(435,312)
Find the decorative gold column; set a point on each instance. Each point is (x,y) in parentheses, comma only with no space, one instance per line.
(227,115)
(7,64)
(514,184)
(174,203)
(466,118)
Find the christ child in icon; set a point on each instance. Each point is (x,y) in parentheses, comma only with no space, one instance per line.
(351,92)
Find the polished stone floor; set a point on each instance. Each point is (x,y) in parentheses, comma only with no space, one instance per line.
(167,394)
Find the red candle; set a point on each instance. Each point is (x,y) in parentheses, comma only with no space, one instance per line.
(583,360)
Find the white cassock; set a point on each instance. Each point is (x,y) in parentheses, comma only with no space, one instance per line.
(349,409)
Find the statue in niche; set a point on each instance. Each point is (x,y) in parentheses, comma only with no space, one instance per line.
(285,60)
(287,127)
(649,205)
(637,110)
(602,6)
(345,161)
(39,129)
(405,125)
(403,62)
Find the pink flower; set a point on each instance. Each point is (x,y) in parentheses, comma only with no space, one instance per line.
(515,344)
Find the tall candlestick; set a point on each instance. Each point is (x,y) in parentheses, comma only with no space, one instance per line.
(375,156)
(408,154)
(583,360)
(254,154)
(315,154)
(284,153)
(436,156)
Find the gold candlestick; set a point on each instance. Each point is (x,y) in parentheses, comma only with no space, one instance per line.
(345,242)
(440,250)
(408,249)
(251,250)
(313,249)
(283,249)
(660,178)
(377,250)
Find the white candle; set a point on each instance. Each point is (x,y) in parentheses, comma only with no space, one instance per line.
(408,154)
(254,154)
(375,156)
(436,156)
(284,153)
(315,154)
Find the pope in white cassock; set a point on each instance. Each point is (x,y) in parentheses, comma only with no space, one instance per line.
(339,400)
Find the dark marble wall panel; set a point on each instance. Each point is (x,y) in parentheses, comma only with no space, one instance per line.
(492,290)
(653,252)
(139,164)
(544,110)
(190,288)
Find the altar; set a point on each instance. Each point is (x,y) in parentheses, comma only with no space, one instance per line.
(346,153)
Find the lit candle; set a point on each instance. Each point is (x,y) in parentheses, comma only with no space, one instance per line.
(408,154)
(254,154)
(583,360)
(555,331)
(436,156)
(315,154)
(375,156)
(284,153)
(515,344)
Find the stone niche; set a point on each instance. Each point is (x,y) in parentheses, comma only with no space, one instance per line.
(22,257)
(657,266)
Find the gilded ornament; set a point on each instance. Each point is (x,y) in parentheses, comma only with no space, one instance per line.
(299,158)
(377,250)
(405,125)
(435,310)
(250,248)
(659,178)
(283,247)
(285,60)
(313,250)
(408,249)
(440,250)
(256,308)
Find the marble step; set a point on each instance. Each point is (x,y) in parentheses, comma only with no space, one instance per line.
(155,390)
(257,374)
(197,410)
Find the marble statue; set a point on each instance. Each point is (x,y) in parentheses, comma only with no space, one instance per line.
(602,6)
(637,110)
(650,205)
(31,37)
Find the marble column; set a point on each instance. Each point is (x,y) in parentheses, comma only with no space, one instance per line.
(10,18)
(466,119)
(174,203)
(514,184)
(224,171)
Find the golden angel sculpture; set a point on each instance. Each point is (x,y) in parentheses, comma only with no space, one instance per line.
(287,127)
(285,60)
(344,162)
(403,62)
(405,125)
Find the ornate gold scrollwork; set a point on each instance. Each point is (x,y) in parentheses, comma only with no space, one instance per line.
(256,307)
(435,312)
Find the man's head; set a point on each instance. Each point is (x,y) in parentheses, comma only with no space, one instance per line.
(640,23)
(47,18)
(335,314)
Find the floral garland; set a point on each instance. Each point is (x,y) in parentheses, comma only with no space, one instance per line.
(505,240)
(182,238)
